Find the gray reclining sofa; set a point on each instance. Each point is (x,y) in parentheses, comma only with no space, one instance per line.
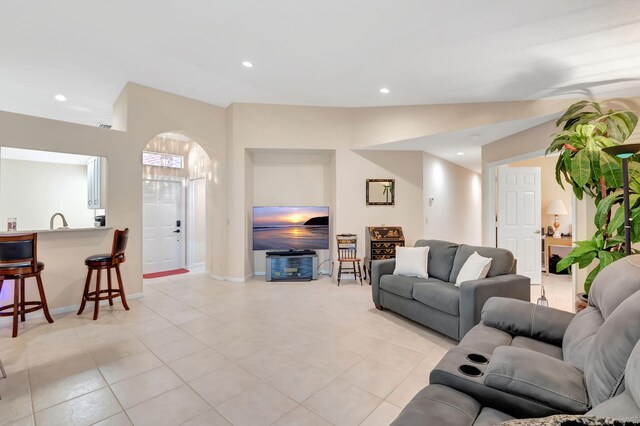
(435,301)
(526,360)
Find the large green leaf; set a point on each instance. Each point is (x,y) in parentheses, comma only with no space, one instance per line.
(581,250)
(601,127)
(635,224)
(604,206)
(556,145)
(614,241)
(585,130)
(593,152)
(631,120)
(589,280)
(611,170)
(616,128)
(581,168)
(623,124)
(578,192)
(571,111)
(617,220)
(605,142)
(565,263)
(586,259)
(559,165)
(606,259)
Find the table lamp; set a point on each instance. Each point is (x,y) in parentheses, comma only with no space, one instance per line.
(556,208)
(624,152)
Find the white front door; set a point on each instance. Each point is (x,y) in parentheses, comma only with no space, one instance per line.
(163,226)
(519,218)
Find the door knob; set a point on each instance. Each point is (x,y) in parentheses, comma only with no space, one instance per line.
(177,231)
(537,231)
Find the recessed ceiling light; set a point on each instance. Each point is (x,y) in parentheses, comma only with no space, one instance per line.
(247,64)
(384,90)
(460,153)
(60,97)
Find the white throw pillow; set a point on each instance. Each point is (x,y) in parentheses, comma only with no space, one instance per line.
(475,268)
(412,261)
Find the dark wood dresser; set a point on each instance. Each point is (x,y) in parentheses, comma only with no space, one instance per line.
(380,243)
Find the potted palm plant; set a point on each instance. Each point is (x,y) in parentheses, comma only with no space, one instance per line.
(583,165)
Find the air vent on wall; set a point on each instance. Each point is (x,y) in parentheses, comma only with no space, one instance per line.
(104,125)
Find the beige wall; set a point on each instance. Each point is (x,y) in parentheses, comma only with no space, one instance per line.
(262,132)
(452,215)
(353,168)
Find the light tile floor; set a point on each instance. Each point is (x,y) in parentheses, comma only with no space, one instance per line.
(203,352)
(559,291)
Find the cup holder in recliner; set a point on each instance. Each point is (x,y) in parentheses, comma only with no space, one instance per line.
(470,370)
(477,358)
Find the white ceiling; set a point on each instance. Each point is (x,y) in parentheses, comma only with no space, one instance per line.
(313,52)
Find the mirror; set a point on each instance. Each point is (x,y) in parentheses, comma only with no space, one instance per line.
(35,185)
(381,192)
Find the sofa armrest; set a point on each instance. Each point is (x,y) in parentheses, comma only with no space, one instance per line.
(378,269)
(538,377)
(473,295)
(439,405)
(526,319)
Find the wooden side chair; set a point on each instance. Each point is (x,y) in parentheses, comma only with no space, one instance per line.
(348,254)
(107,261)
(18,261)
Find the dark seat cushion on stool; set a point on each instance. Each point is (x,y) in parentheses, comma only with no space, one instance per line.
(104,258)
(22,268)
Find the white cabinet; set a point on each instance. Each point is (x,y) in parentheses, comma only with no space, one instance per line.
(96,183)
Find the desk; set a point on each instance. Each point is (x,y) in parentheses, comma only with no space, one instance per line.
(550,242)
(381,243)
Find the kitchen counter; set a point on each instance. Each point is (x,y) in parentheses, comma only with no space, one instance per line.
(63,251)
(47,231)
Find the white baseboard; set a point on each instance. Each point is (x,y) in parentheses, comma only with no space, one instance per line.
(67,309)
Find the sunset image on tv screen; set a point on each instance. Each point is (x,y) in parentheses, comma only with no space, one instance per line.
(290,228)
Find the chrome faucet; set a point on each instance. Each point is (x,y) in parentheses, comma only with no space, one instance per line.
(64,221)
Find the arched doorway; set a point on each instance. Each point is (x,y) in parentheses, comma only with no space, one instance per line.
(174,205)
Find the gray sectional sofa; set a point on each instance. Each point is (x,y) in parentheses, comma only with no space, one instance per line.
(435,301)
(540,361)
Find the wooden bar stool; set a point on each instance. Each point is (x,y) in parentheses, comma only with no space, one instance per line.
(18,261)
(347,253)
(107,261)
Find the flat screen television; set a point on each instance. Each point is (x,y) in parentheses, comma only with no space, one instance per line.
(291,228)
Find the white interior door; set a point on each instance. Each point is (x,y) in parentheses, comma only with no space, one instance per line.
(519,217)
(163,224)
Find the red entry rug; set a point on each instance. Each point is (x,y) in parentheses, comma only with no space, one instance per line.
(166,273)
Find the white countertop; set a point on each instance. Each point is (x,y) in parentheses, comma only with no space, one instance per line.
(46,231)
